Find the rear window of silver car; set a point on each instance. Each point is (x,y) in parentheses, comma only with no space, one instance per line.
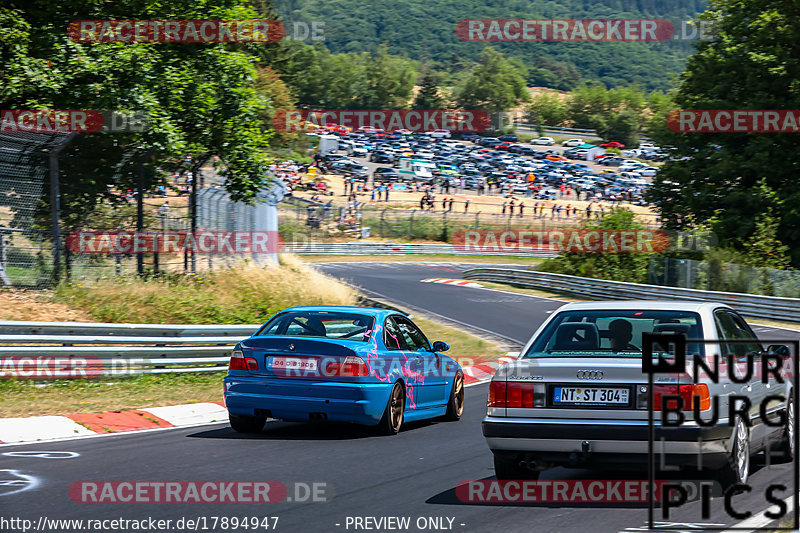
(328,324)
(615,333)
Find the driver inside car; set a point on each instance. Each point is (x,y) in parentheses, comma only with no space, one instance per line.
(620,334)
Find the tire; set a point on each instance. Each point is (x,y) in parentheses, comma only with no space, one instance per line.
(246,424)
(393,414)
(786,444)
(455,405)
(506,466)
(737,471)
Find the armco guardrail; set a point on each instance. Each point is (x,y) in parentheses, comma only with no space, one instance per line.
(35,349)
(748,304)
(390,248)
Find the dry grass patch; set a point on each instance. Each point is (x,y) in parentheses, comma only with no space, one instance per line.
(241,294)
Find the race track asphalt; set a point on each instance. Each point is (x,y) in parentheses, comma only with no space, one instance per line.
(413,474)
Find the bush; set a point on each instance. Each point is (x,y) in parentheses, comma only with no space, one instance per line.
(631,267)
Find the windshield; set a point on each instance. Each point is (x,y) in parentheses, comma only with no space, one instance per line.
(615,333)
(328,324)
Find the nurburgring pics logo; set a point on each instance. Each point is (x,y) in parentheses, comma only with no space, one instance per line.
(734,121)
(178,31)
(70,121)
(552,30)
(173,242)
(293,121)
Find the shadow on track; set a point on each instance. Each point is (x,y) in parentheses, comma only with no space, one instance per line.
(305,431)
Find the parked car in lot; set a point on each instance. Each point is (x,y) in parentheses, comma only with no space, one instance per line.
(509,138)
(577,395)
(440,134)
(385,174)
(349,364)
(613,144)
(555,157)
(525,150)
(382,156)
(572,142)
(612,161)
(546,141)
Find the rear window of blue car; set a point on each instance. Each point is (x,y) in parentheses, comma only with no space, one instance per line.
(327,324)
(611,333)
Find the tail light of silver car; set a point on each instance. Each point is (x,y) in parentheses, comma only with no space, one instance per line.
(516,394)
(668,395)
(239,362)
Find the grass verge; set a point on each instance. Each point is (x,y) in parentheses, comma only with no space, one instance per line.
(23,398)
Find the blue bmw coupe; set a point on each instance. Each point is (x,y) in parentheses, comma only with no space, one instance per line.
(350,364)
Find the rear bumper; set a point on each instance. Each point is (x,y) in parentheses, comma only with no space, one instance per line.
(573,442)
(301,399)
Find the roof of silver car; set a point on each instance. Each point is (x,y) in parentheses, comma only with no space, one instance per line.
(650,305)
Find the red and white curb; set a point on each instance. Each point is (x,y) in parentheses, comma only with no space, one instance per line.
(50,428)
(42,428)
(448,281)
(484,371)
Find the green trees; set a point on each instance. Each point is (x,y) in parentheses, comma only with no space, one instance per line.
(494,84)
(738,177)
(631,267)
(322,80)
(429,95)
(617,114)
(199,98)
(427,31)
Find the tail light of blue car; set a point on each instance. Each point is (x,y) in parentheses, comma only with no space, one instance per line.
(350,366)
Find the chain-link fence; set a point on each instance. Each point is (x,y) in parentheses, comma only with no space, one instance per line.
(719,276)
(26,252)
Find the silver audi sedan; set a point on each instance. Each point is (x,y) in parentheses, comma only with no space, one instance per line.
(577,396)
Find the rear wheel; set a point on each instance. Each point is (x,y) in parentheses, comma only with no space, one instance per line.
(393,414)
(738,468)
(455,407)
(246,424)
(507,466)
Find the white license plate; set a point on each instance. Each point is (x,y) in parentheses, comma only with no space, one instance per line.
(295,363)
(590,396)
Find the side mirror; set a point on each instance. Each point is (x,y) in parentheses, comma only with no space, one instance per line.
(778,349)
(440,346)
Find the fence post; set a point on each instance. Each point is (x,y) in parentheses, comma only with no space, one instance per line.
(477,216)
(55,205)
